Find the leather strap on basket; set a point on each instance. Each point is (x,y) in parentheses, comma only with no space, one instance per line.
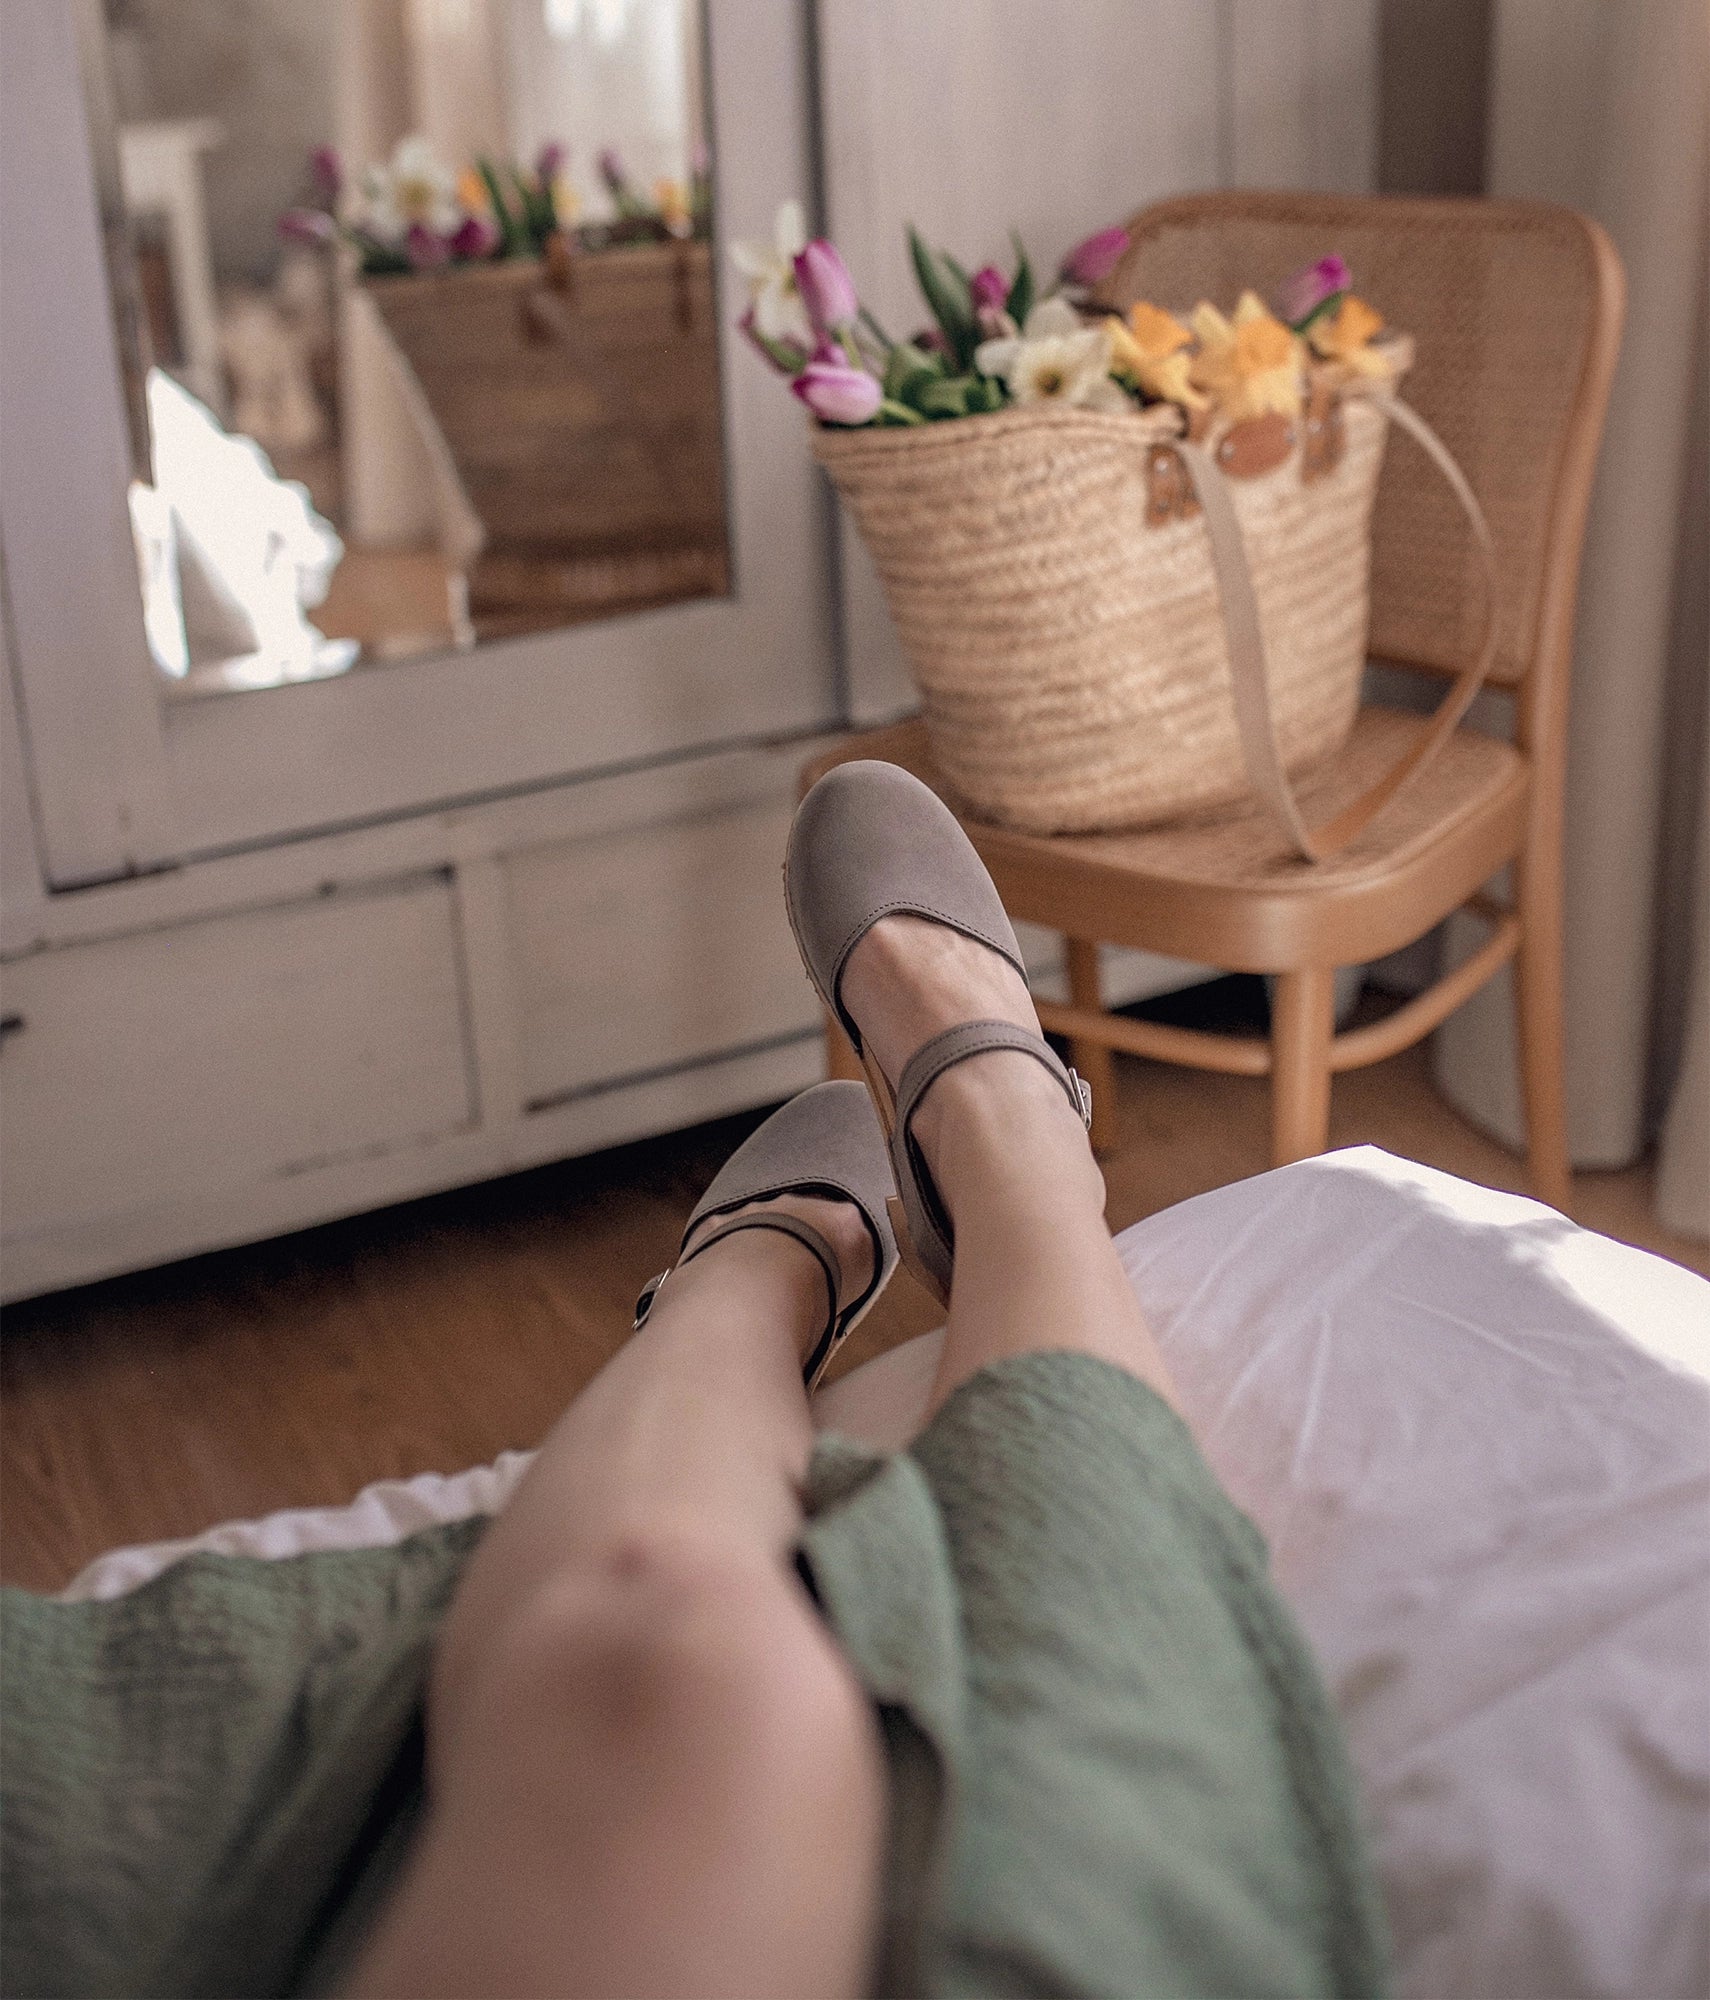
(1249,669)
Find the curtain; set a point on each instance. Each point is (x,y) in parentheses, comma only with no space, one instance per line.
(1606,107)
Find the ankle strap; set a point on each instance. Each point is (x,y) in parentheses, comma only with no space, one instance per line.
(978,1038)
(786,1225)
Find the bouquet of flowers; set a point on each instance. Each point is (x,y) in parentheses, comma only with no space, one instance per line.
(995,342)
(1150,510)
(415,213)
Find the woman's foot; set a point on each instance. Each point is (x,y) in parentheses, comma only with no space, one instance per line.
(909,979)
(839,1222)
(800,1208)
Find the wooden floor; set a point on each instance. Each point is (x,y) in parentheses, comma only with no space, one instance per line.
(432,1336)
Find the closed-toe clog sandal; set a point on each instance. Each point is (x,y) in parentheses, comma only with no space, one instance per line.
(871,841)
(825,1142)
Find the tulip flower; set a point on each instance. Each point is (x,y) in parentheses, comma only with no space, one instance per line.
(326,170)
(1094,260)
(1299,296)
(825,286)
(307,225)
(611,170)
(425,248)
(474,237)
(989,290)
(549,162)
(836,392)
(989,287)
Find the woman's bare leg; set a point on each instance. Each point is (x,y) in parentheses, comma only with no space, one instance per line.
(1035,1266)
(651,1770)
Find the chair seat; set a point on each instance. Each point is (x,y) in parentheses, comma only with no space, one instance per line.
(1222,888)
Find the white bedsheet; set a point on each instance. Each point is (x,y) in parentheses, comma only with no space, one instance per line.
(1477,1440)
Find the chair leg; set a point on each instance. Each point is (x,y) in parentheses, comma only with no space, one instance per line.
(1094,1060)
(1539,1025)
(841,1061)
(1302,1022)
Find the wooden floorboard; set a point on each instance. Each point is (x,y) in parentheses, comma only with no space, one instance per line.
(433,1336)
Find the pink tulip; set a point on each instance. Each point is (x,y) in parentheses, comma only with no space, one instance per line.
(549,162)
(326,170)
(837,393)
(989,289)
(307,225)
(425,250)
(1299,297)
(475,237)
(1094,259)
(826,288)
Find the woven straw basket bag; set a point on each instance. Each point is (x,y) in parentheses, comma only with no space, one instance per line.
(1112,626)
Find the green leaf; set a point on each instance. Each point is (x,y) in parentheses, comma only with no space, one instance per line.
(954,314)
(1020,301)
(945,399)
(906,361)
(876,330)
(914,385)
(1323,310)
(512,236)
(893,415)
(986,395)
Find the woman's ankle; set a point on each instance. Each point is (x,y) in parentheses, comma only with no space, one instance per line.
(1001,1125)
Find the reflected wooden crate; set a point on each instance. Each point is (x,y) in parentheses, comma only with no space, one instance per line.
(580,411)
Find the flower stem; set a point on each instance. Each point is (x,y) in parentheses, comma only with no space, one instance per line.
(876,330)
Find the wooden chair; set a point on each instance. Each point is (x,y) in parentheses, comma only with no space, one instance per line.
(1516,309)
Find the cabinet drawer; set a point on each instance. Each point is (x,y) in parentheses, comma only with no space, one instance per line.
(644,950)
(196,1060)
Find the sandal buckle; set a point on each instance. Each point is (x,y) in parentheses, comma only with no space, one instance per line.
(1083,1096)
(644,1304)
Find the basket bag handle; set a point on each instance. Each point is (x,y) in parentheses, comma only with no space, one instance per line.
(1247,662)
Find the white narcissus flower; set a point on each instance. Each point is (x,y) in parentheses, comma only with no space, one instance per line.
(1056,358)
(414,190)
(770,269)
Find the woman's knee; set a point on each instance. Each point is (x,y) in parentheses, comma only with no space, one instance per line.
(674,1644)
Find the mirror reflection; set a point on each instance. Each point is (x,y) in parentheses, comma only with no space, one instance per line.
(421,319)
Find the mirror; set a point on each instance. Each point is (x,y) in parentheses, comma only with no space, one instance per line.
(416,310)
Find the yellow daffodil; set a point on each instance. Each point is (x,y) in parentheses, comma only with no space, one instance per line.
(673,201)
(1250,365)
(1153,348)
(1346,336)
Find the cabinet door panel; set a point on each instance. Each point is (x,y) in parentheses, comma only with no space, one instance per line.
(211,1056)
(640,951)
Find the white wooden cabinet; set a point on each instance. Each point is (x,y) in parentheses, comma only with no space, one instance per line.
(230,1050)
(271,958)
(236,1047)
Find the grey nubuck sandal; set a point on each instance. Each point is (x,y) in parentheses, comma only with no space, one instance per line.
(871,841)
(824,1142)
